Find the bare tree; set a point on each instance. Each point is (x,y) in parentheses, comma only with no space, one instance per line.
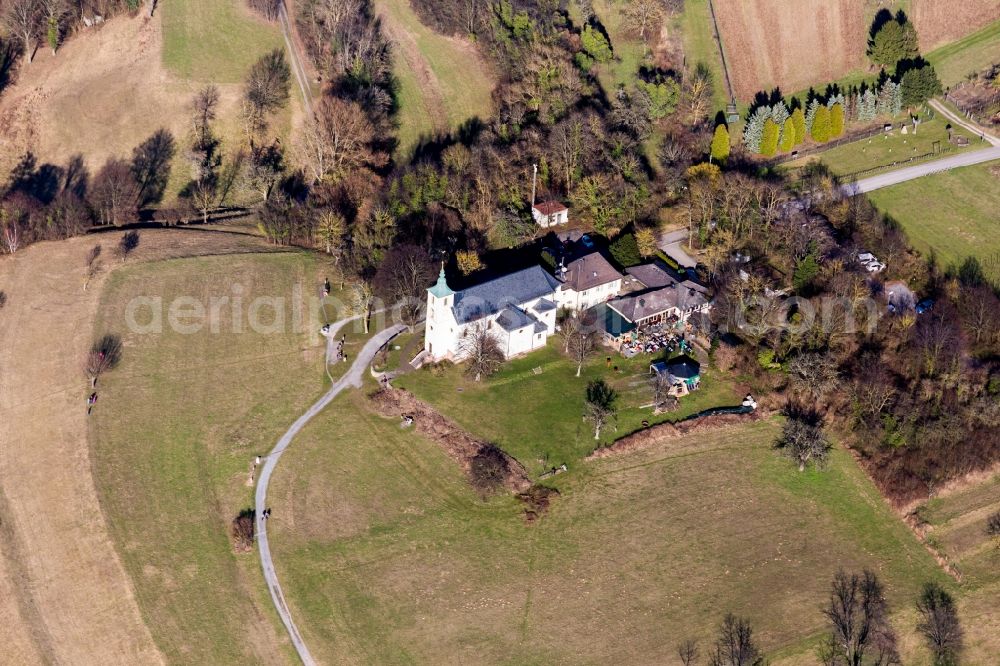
(337,140)
(3,299)
(663,401)
(104,355)
(363,295)
(266,8)
(688,652)
(402,276)
(939,624)
(735,645)
(93,265)
(814,373)
(993,525)
(489,469)
(580,334)
(21,18)
(330,230)
(802,438)
(264,168)
(204,108)
(127,244)
(644,15)
(203,194)
(115,194)
(600,408)
(265,91)
(480,347)
(242,530)
(859,622)
(11,239)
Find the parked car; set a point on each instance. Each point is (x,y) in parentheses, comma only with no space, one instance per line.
(925,305)
(587,241)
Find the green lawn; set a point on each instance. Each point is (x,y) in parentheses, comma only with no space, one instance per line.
(537,418)
(953,213)
(214,40)
(699,46)
(882,150)
(630,52)
(387,557)
(442,80)
(972,53)
(172,440)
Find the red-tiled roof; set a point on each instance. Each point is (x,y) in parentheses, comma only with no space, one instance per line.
(550,207)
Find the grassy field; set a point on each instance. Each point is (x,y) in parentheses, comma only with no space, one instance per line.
(214,40)
(630,52)
(537,418)
(970,54)
(173,438)
(443,81)
(695,24)
(953,213)
(957,528)
(883,150)
(387,556)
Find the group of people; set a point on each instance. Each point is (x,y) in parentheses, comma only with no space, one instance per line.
(652,340)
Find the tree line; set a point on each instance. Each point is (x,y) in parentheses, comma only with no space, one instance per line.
(858,631)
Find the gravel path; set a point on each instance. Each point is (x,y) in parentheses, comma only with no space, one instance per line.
(353,378)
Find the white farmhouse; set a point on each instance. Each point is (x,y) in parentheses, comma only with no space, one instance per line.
(550,214)
(587,281)
(519,309)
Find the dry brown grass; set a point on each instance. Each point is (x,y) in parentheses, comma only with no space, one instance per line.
(64,597)
(792,45)
(103,93)
(941,21)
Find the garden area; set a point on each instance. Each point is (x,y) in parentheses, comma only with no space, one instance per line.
(533,408)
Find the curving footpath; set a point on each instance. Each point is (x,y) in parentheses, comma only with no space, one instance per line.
(351,378)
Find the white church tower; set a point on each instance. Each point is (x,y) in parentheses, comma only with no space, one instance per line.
(439,334)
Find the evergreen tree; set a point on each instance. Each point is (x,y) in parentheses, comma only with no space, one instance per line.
(799,123)
(811,113)
(836,120)
(787,140)
(821,125)
(720,143)
(893,42)
(754,129)
(919,85)
(769,138)
(779,113)
(867,105)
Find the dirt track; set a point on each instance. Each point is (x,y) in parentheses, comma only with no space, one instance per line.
(64,596)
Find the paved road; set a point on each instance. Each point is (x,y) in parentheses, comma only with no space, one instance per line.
(351,378)
(672,242)
(909,173)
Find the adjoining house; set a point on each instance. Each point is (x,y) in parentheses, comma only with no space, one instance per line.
(518,308)
(613,327)
(683,374)
(656,275)
(587,281)
(672,304)
(550,214)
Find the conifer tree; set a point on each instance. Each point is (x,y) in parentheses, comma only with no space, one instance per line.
(787,140)
(720,143)
(836,120)
(821,125)
(769,138)
(799,123)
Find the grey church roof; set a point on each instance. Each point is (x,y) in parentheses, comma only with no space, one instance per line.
(515,288)
(512,319)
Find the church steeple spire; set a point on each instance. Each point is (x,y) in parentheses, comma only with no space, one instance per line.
(441,288)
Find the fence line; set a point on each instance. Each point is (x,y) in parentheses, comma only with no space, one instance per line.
(722,51)
(979,111)
(871,170)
